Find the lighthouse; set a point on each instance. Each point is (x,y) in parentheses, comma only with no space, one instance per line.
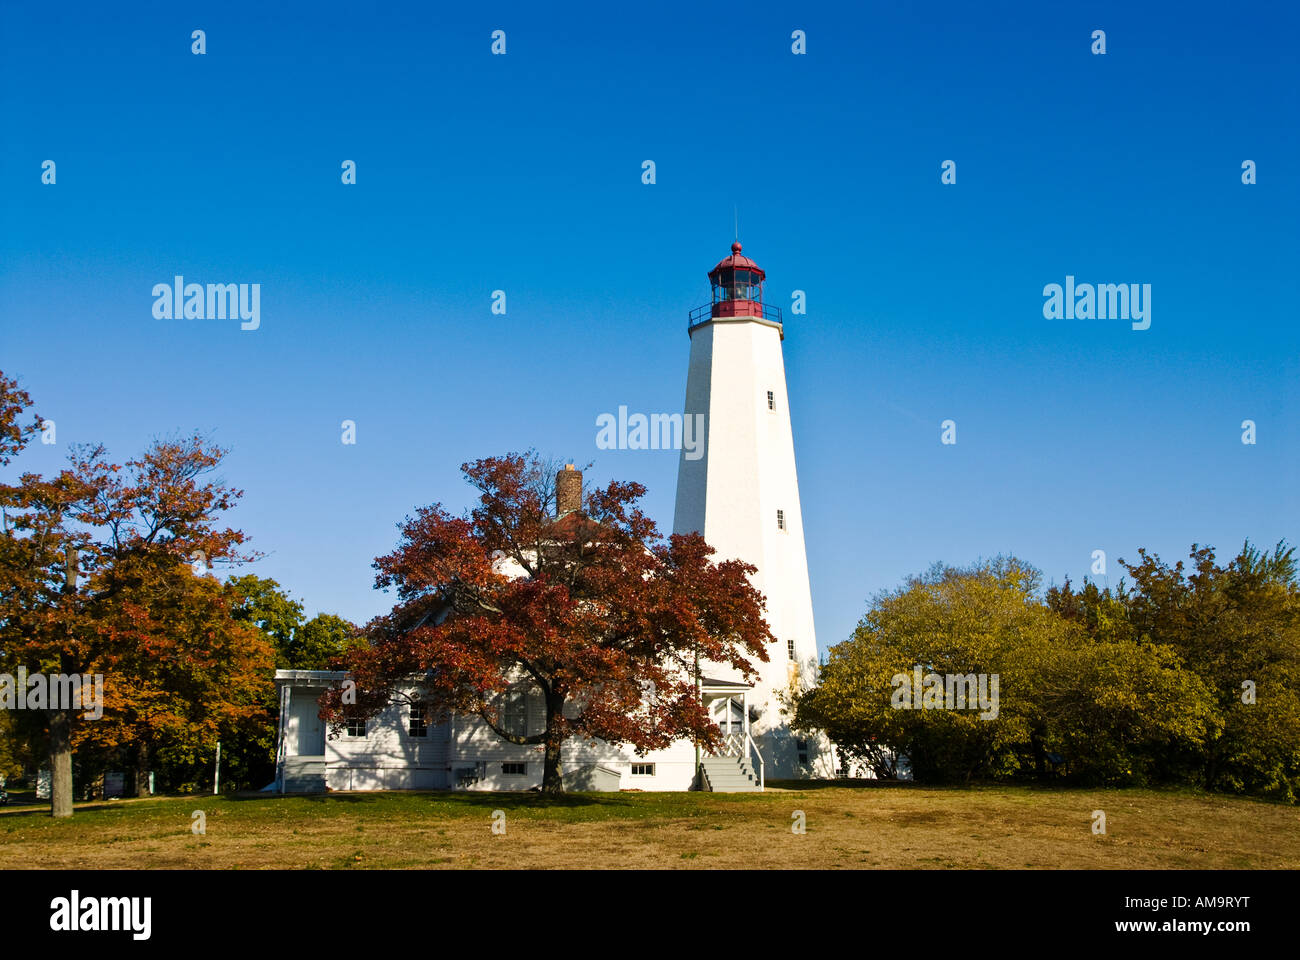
(742,496)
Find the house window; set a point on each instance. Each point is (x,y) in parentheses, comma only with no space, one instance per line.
(643,769)
(789,647)
(771,400)
(514,718)
(780,519)
(356,728)
(802,746)
(514,769)
(416,726)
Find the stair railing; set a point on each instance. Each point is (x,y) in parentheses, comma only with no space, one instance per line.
(750,745)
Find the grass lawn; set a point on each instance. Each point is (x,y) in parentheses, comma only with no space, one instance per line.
(898,826)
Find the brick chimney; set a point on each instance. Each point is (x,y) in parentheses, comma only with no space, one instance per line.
(568,490)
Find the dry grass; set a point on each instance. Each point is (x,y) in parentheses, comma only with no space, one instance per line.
(847,827)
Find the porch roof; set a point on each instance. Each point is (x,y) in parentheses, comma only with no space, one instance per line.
(723,686)
(309,677)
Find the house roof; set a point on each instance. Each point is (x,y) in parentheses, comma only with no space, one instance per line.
(575,525)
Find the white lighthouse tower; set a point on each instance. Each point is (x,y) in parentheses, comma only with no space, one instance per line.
(742,495)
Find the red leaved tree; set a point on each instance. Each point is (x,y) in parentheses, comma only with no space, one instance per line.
(178,668)
(593,608)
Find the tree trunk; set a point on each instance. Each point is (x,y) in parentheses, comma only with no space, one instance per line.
(142,770)
(1040,753)
(61,720)
(60,763)
(552,774)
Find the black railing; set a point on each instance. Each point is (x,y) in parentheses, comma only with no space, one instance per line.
(706,311)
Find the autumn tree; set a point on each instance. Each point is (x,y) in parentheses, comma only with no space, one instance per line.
(38,570)
(101,573)
(181,672)
(592,609)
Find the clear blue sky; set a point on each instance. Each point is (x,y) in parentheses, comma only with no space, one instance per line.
(523,172)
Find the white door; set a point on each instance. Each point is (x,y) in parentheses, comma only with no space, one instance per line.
(311,729)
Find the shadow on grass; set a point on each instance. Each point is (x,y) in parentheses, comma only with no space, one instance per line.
(853,783)
(468,799)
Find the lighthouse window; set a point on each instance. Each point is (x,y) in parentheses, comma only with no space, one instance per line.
(780,519)
(789,646)
(771,400)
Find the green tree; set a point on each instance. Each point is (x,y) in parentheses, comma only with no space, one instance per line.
(1100,701)
(1238,626)
(323,640)
(299,645)
(262,602)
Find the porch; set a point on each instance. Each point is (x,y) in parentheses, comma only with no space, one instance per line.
(735,765)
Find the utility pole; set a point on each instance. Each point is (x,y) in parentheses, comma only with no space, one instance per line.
(216,774)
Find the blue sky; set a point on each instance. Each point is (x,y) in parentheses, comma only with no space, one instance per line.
(523,172)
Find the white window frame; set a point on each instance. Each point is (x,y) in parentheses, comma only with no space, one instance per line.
(514,712)
(415,714)
(521,764)
(643,769)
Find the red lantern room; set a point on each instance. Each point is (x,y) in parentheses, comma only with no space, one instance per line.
(737,283)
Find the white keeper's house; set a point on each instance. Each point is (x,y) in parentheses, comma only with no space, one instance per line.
(742,495)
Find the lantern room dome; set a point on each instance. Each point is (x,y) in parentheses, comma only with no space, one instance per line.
(737,261)
(737,284)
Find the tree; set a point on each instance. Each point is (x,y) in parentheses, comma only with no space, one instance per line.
(263,603)
(322,641)
(185,674)
(1105,703)
(176,667)
(592,610)
(1238,626)
(312,645)
(38,575)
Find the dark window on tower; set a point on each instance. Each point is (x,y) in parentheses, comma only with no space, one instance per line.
(789,646)
(780,519)
(771,400)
